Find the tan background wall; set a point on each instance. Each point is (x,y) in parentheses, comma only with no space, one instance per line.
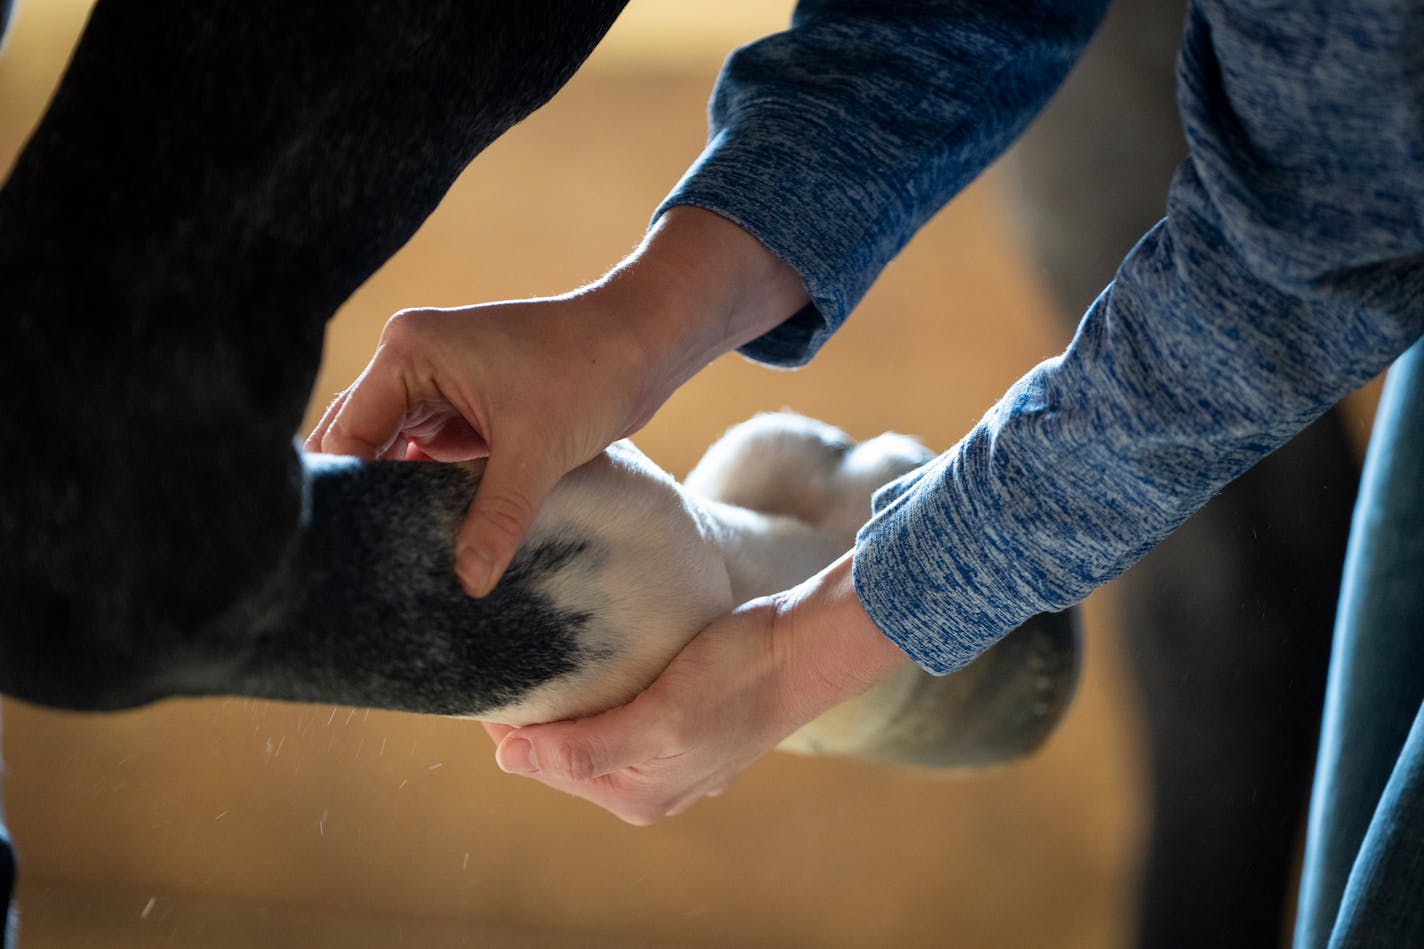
(237,823)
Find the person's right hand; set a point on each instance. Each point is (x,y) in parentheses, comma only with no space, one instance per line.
(542,386)
(539,386)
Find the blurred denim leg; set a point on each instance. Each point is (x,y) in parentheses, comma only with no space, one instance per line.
(1381,905)
(1365,846)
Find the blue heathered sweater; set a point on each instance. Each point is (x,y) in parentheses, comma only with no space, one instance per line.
(1289,270)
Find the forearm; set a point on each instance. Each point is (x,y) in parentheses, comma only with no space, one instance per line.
(833,142)
(826,649)
(697,287)
(1266,296)
(172,239)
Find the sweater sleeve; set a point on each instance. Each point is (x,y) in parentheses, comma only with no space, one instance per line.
(1289,271)
(834,141)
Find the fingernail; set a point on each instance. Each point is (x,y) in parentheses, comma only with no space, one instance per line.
(475,571)
(516,756)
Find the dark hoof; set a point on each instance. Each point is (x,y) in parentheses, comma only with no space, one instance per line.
(1001,707)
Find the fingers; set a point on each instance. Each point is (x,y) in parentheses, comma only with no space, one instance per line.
(587,749)
(366,419)
(376,418)
(515,482)
(626,760)
(496,731)
(724,701)
(456,385)
(313,442)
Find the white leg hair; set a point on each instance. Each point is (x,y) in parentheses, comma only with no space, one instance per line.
(772,502)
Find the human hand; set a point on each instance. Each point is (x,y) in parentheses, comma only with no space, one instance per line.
(732,694)
(542,386)
(534,385)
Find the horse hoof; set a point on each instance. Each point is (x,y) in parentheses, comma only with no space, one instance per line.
(999,708)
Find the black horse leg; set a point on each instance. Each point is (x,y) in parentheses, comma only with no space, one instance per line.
(7,852)
(209,183)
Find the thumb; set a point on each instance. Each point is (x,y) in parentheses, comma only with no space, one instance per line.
(585,749)
(514,484)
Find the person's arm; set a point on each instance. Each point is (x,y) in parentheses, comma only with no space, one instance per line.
(835,141)
(1286,274)
(831,143)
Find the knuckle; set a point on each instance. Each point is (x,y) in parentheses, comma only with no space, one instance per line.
(409,331)
(405,321)
(574,761)
(506,514)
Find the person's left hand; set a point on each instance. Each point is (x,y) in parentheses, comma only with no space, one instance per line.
(735,691)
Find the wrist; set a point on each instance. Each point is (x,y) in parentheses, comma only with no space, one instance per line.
(697,287)
(829,649)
